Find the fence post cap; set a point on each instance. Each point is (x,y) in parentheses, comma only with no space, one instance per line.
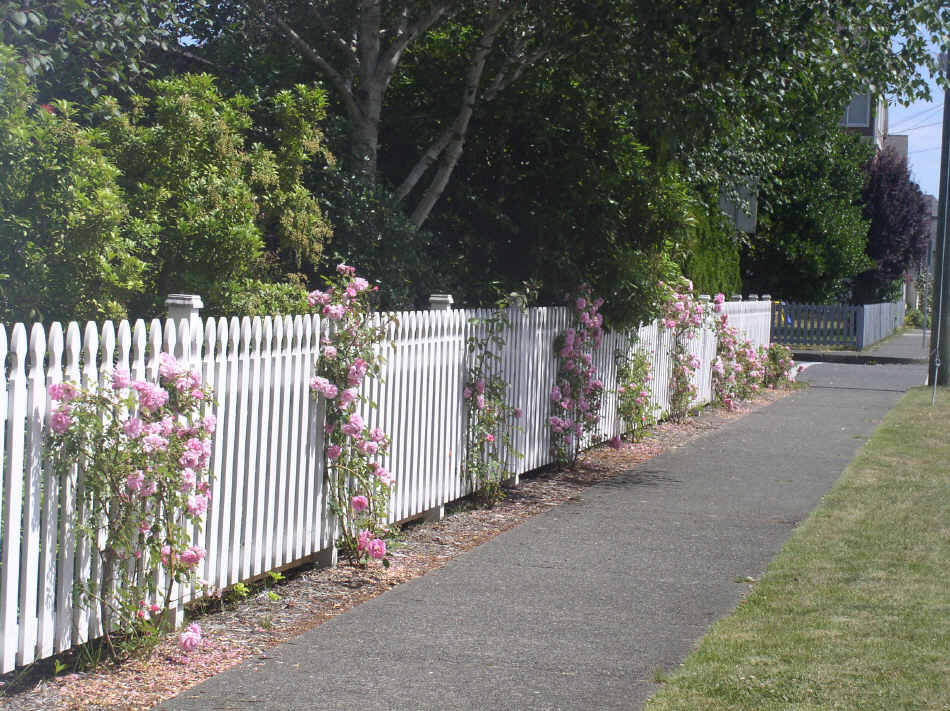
(766,297)
(191,301)
(753,297)
(736,297)
(704,297)
(440,302)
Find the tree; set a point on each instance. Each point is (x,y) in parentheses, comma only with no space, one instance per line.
(899,231)
(218,208)
(67,247)
(104,221)
(357,48)
(812,234)
(80,49)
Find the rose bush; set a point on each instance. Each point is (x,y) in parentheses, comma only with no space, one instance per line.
(489,418)
(142,451)
(684,316)
(360,487)
(634,403)
(576,396)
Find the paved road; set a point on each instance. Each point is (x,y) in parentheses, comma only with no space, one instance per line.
(579,607)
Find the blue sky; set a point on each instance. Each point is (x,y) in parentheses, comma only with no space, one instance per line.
(922,122)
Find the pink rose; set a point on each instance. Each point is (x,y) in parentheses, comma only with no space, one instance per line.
(60,420)
(368,447)
(318,297)
(359,503)
(518,413)
(333,451)
(192,557)
(64,392)
(329,352)
(197,504)
(334,311)
(377,549)
(134,481)
(121,378)
(188,479)
(190,639)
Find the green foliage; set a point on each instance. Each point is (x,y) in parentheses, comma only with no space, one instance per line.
(253,297)
(80,49)
(899,228)
(105,221)
(634,403)
(712,258)
(371,232)
(219,210)
(489,416)
(812,235)
(915,318)
(67,244)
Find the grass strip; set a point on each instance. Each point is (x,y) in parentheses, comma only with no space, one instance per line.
(854,612)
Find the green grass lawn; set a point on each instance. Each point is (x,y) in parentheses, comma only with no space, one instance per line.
(854,613)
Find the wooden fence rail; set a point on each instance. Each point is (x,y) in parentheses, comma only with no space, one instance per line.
(269,499)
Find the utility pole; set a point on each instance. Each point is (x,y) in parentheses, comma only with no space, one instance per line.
(939,373)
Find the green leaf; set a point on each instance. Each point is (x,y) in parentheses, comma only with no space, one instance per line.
(19,17)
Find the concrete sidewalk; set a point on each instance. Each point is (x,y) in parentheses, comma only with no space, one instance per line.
(908,347)
(581,606)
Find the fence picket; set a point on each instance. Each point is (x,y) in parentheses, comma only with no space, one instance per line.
(269,497)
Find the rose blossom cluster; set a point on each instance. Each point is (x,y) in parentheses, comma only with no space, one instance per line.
(740,368)
(360,485)
(684,315)
(148,448)
(634,403)
(576,395)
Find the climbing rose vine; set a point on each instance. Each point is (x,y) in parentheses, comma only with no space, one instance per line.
(634,374)
(684,316)
(489,417)
(360,486)
(575,398)
(143,451)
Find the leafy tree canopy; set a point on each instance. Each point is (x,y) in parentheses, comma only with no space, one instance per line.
(812,233)
(899,226)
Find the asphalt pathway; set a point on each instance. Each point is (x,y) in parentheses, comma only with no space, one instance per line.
(581,607)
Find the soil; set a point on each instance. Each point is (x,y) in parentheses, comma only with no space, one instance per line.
(237,629)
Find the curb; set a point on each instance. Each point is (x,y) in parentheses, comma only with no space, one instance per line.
(853,358)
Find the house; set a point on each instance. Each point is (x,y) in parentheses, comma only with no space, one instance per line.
(866,116)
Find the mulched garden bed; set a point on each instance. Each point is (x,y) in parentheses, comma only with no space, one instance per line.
(235,630)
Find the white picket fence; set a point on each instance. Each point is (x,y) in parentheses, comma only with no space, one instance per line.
(268,507)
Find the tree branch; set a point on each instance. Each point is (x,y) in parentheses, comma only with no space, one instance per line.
(503,80)
(191,56)
(406,34)
(348,48)
(333,76)
(459,128)
(370,26)
(430,156)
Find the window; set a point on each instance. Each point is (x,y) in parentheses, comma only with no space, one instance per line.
(858,113)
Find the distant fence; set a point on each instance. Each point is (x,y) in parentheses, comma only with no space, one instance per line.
(269,501)
(855,327)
